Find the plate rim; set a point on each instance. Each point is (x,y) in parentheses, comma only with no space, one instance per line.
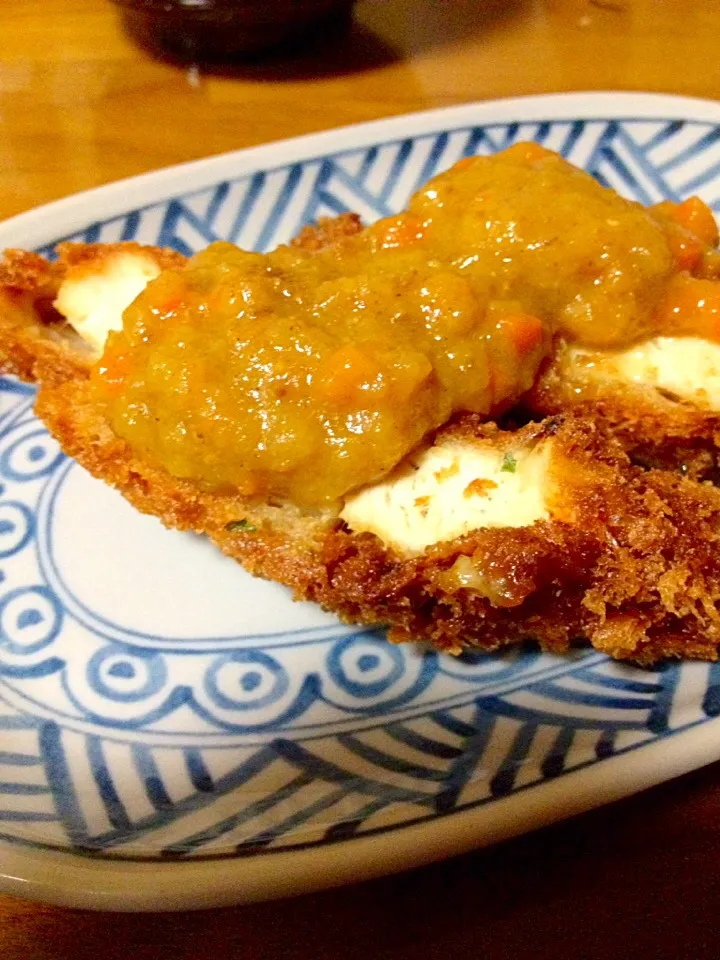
(90,883)
(67,879)
(27,229)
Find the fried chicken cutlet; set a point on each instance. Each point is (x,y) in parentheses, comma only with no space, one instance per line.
(479,538)
(661,399)
(660,396)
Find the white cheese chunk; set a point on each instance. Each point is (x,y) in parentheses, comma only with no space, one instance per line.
(451,489)
(687,367)
(94,295)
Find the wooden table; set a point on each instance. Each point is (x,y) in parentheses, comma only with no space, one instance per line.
(79,106)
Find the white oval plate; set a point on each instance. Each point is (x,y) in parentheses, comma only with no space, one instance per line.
(175,734)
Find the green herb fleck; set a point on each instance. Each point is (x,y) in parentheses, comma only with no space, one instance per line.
(240,526)
(509,464)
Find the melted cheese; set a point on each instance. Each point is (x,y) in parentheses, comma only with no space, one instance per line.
(451,489)
(93,295)
(686,367)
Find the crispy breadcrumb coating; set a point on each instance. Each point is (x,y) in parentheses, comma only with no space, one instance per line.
(629,562)
(36,342)
(655,429)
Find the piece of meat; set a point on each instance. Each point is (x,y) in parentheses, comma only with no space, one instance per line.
(631,562)
(623,557)
(37,342)
(663,416)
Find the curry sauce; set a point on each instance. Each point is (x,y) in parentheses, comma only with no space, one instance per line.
(302,375)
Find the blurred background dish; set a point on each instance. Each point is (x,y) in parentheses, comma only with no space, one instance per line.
(209,31)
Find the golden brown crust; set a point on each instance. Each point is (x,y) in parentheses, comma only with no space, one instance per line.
(29,272)
(74,254)
(327,232)
(655,430)
(36,344)
(634,566)
(631,563)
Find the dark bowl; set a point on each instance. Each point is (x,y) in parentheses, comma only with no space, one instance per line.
(207,31)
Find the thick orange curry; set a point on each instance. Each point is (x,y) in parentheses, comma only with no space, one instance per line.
(302,375)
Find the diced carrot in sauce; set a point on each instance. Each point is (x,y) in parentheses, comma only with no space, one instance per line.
(170,305)
(351,371)
(113,368)
(524,331)
(697,217)
(464,162)
(691,307)
(348,369)
(687,250)
(692,230)
(398,232)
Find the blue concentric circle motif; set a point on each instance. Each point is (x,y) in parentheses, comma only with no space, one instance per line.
(245,680)
(33,454)
(16,527)
(365,666)
(30,619)
(126,677)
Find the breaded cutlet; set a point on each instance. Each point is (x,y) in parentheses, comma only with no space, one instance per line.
(660,400)
(37,342)
(548,532)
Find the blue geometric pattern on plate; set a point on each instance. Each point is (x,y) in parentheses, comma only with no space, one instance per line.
(120,736)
